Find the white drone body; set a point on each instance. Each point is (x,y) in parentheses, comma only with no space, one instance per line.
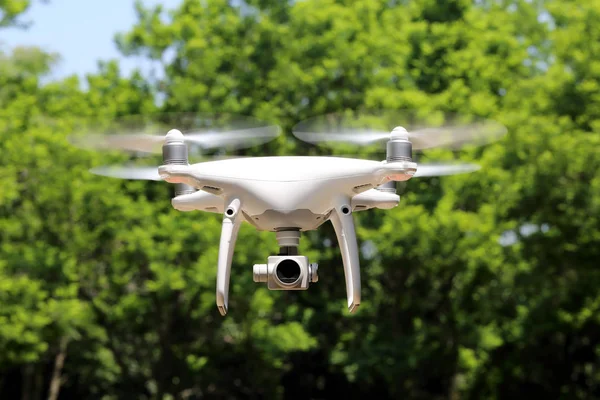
(288,195)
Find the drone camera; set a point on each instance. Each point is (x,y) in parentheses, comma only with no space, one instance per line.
(286,273)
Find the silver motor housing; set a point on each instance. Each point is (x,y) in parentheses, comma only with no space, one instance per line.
(286,273)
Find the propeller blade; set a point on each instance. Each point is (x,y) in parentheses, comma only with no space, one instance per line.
(143,143)
(233,140)
(148,173)
(427,170)
(128,172)
(354,136)
(424,132)
(455,137)
(146,133)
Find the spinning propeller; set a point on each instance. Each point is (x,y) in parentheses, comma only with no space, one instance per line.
(436,130)
(128,172)
(196,134)
(405,132)
(146,134)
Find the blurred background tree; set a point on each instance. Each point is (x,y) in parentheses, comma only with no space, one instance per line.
(10,10)
(476,286)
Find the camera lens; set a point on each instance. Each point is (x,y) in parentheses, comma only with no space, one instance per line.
(288,271)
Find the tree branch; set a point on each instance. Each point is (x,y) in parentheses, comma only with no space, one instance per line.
(59,362)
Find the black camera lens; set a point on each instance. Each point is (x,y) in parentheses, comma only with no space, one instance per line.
(288,271)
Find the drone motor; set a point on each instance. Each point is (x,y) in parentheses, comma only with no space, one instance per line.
(175,152)
(399,148)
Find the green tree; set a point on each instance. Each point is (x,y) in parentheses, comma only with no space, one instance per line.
(103,283)
(123,285)
(12,10)
(501,60)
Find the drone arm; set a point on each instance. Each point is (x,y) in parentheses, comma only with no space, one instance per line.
(374,198)
(343,224)
(198,200)
(232,219)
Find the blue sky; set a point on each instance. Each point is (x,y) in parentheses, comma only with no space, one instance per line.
(81,31)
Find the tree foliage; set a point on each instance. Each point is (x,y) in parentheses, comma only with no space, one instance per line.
(479,286)
(11,12)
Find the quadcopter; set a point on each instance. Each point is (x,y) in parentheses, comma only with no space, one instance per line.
(288,195)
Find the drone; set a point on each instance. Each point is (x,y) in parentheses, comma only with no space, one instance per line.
(288,195)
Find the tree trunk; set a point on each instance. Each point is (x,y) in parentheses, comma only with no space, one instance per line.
(26,375)
(38,382)
(59,362)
